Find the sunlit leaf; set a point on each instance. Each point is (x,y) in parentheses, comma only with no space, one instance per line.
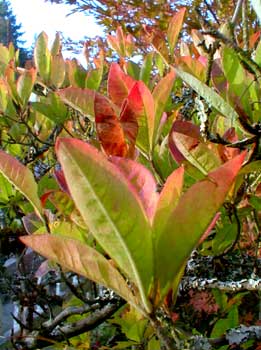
(160,95)
(22,178)
(42,56)
(174,28)
(57,70)
(140,105)
(81,259)
(189,219)
(211,97)
(145,72)
(80,99)
(110,208)
(25,84)
(119,84)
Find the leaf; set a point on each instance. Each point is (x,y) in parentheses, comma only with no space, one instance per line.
(80,99)
(119,84)
(52,107)
(42,56)
(146,68)
(211,97)
(140,105)
(81,259)
(22,178)
(188,221)
(174,28)
(160,95)
(111,210)
(199,154)
(109,130)
(57,74)
(142,181)
(25,85)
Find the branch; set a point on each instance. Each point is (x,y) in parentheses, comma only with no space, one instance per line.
(234,336)
(251,284)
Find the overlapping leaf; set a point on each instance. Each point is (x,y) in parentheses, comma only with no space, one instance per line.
(109,129)
(188,221)
(81,259)
(174,28)
(22,178)
(140,108)
(211,97)
(142,181)
(119,84)
(111,210)
(80,99)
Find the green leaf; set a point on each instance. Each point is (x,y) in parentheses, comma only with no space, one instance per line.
(80,99)
(57,45)
(52,107)
(42,56)
(57,74)
(200,156)
(111,210)
(145,72)
(160,95)
(224,237)
(22,178)
(189,220)
(221,326)
(174,28)
(25,85)
(211,97)
(255,202)
(81,259)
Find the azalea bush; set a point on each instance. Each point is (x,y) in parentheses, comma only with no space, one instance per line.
(129,168)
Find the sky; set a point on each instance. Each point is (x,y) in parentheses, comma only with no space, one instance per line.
(37,16)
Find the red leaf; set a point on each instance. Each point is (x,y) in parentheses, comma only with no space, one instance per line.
(119,84)
(109,130)
(137,115)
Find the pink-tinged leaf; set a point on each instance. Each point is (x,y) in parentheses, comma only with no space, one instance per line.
(227,153)
(142,181)
(139,106)
(189,220)
(22,178)
(119,84)
(109,130)
(60,178)
(80,99)
(210,228)
(160,95)
(82,259)
(32,223)
(185,128)
(111,210)
(174,28)
(168,199)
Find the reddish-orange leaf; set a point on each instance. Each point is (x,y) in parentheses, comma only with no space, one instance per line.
(175,26)
(119,84)
(139,108)
(109,130)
